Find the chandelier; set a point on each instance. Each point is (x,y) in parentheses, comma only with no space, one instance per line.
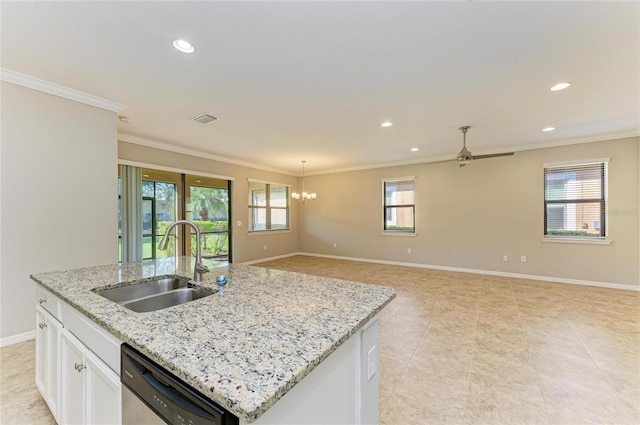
(304,196)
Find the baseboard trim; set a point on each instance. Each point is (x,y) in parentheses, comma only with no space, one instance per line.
(14,339)
(466,270)
(277,257)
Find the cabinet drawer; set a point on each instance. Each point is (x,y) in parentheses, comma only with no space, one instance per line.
(48,301)
(94,337)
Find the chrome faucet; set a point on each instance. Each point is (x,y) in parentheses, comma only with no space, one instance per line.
(199,267)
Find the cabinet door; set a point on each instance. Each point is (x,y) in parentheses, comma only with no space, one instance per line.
(103,397)
(47,356)
(41,351)
(53,330)
(73,377)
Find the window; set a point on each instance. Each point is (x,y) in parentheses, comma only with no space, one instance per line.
(159,198)
(268,206)
(399,205)
(575,201)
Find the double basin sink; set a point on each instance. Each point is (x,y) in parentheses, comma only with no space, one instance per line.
(155,294)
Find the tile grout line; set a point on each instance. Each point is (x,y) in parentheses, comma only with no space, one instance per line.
(606,377)
(546,404)
(473,351)
(406,366)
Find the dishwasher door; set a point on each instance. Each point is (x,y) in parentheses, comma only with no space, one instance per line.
(135,412)
(152,395)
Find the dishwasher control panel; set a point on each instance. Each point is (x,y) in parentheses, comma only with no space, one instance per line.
(168,396)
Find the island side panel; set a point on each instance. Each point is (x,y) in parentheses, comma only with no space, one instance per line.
(336,392)
(370,373)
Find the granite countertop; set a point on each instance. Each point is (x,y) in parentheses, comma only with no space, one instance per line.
(243,347)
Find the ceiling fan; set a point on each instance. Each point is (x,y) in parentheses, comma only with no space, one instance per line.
(464,156)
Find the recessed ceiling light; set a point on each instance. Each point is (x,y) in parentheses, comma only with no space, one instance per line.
(415,149)
(184,46)
(548,129)
(386,124)
(560,86)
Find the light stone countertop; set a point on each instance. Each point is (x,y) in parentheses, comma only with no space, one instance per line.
(243,347)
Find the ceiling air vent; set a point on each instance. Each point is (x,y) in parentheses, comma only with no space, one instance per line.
(204,118)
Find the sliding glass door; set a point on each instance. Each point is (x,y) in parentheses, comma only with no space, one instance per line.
(208,207)
(168,197)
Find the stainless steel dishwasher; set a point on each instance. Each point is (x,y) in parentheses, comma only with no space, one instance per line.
(151,395)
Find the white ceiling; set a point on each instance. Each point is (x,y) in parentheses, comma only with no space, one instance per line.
(292,81)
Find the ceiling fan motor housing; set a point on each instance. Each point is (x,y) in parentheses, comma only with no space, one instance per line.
(464,155)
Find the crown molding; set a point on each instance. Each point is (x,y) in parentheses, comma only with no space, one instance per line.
(57,90)
(194,152)
(432,160)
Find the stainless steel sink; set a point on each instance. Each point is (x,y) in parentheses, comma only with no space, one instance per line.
(168,299)
(155,294)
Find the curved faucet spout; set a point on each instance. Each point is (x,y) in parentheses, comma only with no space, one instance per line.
(199,267)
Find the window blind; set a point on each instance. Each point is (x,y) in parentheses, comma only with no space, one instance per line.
(575,200)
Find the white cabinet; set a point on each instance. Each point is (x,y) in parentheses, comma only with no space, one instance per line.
(41,352)
(91,392)
(78,386)
(73,377)
(104,401)
(48,359)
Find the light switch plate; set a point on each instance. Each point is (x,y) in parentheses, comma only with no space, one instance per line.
(372,362)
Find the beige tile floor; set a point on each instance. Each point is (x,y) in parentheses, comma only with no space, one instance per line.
(20,401)
(460,348)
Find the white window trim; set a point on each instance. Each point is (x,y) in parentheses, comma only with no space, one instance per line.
(267,232)
(576,239)
(397,233)
(174,170)
(249,180)
(396,179)
(576,162)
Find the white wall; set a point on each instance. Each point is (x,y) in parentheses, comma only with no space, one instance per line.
(470,217)
(59,194)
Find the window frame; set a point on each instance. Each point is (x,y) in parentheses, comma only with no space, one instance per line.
(268,208)
(603,200)
(396,232)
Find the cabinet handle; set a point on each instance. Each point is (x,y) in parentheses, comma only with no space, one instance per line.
(79,366)
(42,325)
(42,301)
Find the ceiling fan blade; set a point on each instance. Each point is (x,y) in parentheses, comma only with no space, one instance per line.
(493,155)
(464,156)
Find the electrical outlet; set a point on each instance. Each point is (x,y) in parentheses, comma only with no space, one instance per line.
(505,258)
(408,250)
(265,247)
(372,363)
(239,223)
(335,245)
(523,259)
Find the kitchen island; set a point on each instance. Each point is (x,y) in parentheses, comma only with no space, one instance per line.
(254,342)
